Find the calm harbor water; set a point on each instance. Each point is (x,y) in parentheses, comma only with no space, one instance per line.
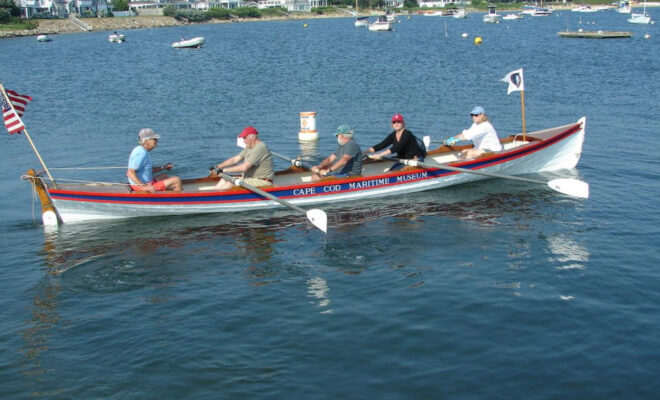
(491,290)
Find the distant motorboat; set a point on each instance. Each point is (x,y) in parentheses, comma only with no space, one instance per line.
(492,17)
(541,12)
(583,8)
(43,38)
(381,25)
(624,7)
(437,13)
(195,42)
(510,17)
(362,21)
(532,10)
(116,38)
(459,13)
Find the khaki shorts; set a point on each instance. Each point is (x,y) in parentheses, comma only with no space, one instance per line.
(257,182)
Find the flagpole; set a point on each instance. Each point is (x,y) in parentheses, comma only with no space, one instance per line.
(27,135)
(522,106)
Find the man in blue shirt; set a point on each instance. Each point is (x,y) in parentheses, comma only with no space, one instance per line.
(140,171)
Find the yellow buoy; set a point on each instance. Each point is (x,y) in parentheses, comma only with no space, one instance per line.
(305,26)
(477,40)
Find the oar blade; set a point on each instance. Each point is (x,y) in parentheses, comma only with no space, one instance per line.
(318,218)
(427,141)
(571,187)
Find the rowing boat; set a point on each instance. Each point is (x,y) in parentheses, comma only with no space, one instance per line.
(550,149)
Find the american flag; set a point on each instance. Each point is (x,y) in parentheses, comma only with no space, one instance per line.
(11,113)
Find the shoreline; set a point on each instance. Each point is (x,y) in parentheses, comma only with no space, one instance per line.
(64,26)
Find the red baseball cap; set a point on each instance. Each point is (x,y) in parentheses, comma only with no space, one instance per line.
(397,118)
(248,131)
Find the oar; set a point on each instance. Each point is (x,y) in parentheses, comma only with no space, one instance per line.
(571,187)
(427,141)
(293,161)
(317,217)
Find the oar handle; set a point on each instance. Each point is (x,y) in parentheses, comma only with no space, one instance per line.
(239,182)
(293,161)
(317,217)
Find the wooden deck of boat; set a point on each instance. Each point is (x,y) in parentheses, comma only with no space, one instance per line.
(596,34)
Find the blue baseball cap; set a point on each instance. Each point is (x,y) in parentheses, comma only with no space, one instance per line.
(477,110)
(344,130)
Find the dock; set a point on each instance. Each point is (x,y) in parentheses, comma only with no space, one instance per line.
(595,34)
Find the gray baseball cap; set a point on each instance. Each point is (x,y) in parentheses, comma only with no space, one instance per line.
(147,133)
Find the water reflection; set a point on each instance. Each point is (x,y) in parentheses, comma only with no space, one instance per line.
(309,151)
(568,253)
(318,288)
(44,320)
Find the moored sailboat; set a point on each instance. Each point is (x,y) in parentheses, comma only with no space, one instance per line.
(643,18)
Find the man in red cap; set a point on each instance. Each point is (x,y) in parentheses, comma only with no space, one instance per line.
(255,162)
(401,141)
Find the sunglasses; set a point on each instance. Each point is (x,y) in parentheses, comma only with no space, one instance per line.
(475,115)
(397,122)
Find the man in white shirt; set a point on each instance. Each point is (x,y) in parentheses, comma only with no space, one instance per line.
(481,133)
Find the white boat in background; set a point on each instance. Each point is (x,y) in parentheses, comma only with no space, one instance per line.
(195,42)
(492,17)
(43,38)
(116,38)
(437,13)
(643,18)
(360,21)
(541,12)
(535,10)
(583,8)
(459,13)
(510,17)
(624,7)
(529,10)
(381,25)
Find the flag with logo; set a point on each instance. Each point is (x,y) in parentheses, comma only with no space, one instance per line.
(515,81)
(13,106)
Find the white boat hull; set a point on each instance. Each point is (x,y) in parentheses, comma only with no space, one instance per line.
(639,19)
(491,18)
(116,38)
(195,42)
(380,26)
(510,17)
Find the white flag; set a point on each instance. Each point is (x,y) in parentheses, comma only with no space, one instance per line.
(515,81)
